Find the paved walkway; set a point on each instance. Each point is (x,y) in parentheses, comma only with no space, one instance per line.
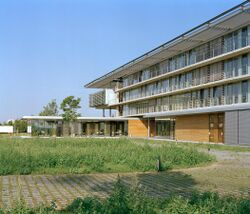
(63,189)
(231,175)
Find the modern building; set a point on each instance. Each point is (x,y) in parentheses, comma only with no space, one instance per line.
(83,126)
(195,87)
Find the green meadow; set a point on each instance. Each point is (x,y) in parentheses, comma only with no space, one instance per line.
(91,155)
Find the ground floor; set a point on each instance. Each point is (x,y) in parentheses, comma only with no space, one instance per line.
(81,127)
(231,127)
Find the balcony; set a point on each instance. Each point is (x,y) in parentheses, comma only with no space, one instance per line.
(103,99)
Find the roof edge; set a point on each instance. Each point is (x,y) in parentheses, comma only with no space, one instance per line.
(88,85)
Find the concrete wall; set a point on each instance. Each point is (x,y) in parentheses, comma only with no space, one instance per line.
(6,129)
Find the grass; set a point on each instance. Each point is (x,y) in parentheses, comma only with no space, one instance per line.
(124,200)
(86,155)
(221,147)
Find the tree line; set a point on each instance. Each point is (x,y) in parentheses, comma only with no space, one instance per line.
(69,108)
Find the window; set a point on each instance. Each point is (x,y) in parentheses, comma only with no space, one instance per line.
(244,89)
(231,41)
(236,91)
(217,95)
(229,93)
(231,68)
(244,62)
(244,37)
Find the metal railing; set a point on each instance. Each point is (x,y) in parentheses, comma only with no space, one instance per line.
(186,104)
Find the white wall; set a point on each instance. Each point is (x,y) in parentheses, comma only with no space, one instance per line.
(6,129)
(111,97)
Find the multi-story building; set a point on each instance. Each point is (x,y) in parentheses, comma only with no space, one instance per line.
(195,87)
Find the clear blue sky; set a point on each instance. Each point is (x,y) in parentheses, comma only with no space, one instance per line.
(51,48)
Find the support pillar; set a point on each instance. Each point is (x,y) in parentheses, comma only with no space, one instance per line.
(148,128)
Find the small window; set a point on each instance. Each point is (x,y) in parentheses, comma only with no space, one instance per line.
(244,62)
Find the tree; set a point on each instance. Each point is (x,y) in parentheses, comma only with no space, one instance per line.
(51,109)
(20,126)
(69,106)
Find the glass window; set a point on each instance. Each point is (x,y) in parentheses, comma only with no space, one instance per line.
(244,89)
(244,62)
(244,37)
(217,95)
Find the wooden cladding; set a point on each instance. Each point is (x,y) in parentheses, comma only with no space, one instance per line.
(192,128)
(138,128)
(200,128)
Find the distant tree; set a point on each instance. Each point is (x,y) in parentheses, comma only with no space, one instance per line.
(20,126)
(69,106)
(10,123)
(51,109)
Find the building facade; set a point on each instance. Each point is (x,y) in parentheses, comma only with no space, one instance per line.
(83,126)
(195,87)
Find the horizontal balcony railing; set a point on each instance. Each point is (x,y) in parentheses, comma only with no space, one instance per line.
(178,90)
(188,104)
(168,73)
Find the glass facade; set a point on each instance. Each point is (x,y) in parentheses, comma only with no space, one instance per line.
(165,128)
(235,67)
(213,96)
(60,128)
(236,92)
(224,44)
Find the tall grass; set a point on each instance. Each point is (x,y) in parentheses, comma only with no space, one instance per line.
(68,155)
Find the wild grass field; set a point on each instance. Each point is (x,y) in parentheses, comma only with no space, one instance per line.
(91,155)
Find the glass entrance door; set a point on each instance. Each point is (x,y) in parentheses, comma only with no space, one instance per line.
(165,128)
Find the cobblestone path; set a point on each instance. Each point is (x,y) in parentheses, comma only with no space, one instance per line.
(63,189)
(230,175)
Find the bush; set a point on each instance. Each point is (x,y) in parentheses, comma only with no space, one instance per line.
(125,200)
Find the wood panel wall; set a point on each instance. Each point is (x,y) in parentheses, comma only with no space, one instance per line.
(192,128)
(138,128)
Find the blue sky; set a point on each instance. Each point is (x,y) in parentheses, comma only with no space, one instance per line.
(51,48)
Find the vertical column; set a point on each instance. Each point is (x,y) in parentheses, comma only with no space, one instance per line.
(88,128)
(96,129)
(248,97)
(248,35)
(148,128)
(248,63)
(79,128)
(107,129)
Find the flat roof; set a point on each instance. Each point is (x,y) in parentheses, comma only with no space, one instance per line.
(90,119)
(211,29)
